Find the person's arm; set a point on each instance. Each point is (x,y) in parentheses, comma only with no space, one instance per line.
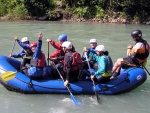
(90,53)
(54,44)
(135,49)
(24,46)
(69,65)
(57,53)
(68,71)
(19,55)
(60,58)
(91,50)
(38,52)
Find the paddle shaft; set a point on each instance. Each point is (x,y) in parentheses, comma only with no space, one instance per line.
(13,47)
(97,97)
(145,69)
(88,62)
(73,98)
(48,54)
(58,72)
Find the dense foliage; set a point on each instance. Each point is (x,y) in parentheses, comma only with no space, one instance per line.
(58,9)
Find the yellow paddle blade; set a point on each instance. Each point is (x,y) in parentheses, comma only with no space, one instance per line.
(8,75)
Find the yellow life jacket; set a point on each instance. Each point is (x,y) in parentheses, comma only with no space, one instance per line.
(107,74)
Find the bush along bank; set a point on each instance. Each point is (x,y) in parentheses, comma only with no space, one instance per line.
(103,11)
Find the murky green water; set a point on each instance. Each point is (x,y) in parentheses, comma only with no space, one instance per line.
(114,36)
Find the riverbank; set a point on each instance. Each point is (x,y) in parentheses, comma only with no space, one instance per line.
(114,19)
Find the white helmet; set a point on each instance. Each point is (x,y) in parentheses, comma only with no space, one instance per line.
(93,40)
(67,45)
(24,39)
(101,48)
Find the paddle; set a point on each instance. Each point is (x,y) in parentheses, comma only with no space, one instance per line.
(48,54)
(13,48)
(97,97)
(72,97)
(145,68)
(8,75)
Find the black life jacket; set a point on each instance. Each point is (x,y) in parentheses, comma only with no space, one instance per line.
(76,61)
(28,53)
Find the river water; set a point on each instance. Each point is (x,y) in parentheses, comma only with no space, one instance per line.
(115,37)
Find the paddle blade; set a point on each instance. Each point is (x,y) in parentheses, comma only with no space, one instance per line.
(97,97)
(76,102)
(8,75)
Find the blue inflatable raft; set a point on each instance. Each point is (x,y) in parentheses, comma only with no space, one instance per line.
(128,80)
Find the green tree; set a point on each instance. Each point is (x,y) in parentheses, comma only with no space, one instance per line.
(39,7)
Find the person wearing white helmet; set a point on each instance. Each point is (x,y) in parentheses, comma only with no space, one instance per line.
(24,44)
(103,73)
(25,51)
(25,40)
(93,44)
(72,63)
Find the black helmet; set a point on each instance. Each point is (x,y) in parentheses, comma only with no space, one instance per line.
(136,34)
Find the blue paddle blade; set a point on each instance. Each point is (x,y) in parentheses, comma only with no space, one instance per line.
(76,102)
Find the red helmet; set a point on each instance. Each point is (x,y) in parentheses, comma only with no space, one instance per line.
(33,44)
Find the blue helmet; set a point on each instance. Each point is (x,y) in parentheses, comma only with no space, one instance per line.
(62,37)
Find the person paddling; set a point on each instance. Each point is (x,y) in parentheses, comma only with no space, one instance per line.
(58,46)
(104,62)
(25,52)
(72,63)
(57,53)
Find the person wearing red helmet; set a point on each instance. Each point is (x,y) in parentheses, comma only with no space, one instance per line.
(38,60)
(33,46)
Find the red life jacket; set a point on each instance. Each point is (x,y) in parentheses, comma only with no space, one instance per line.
(76,61)
(40,62)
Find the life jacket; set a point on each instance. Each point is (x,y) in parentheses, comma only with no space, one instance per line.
(76,61)
(40,62)
(57,53)
(141,57)
(28,53)
(109,67)
(27,58)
